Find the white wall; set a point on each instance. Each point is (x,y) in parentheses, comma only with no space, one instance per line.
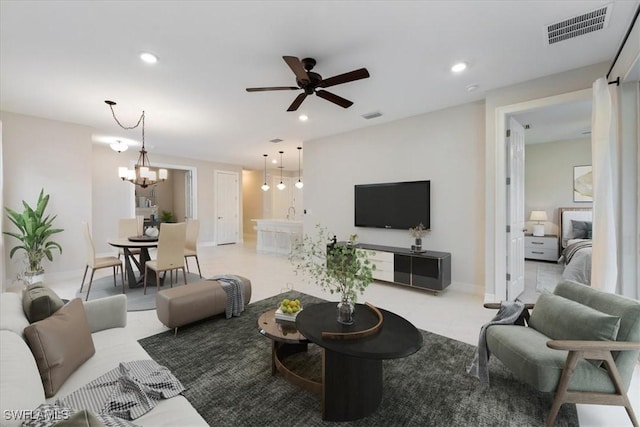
(549,178)
(252,199)
(446,147)
(40,153)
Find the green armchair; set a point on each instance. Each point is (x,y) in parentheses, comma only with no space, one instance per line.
(580,343)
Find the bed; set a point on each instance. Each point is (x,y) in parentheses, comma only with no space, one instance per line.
(575,243)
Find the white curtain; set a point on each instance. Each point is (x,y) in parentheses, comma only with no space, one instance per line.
(604,267)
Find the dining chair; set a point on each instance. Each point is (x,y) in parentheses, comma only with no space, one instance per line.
(98,263)
(191,245)
(170,253)
(128,227)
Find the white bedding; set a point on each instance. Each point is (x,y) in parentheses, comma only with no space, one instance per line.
(579,267)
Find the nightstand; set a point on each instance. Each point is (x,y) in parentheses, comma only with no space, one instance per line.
(543,248)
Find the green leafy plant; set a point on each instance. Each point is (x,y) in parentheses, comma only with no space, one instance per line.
(35,231)
(167,216)
(337,268)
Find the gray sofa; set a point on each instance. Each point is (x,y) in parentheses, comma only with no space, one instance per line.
(21,388)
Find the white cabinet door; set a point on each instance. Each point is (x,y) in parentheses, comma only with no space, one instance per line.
(515,209)
(227,207)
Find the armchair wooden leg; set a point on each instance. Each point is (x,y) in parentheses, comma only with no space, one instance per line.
(617,382)
(561,391)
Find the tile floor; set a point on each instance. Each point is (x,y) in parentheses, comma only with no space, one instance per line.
(456,313)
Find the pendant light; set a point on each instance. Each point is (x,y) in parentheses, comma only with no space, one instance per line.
(265,186)
(281,186)
(299,184)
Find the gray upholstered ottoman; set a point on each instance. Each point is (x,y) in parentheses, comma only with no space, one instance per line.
(182,305)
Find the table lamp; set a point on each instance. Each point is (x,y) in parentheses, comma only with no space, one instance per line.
(538,229)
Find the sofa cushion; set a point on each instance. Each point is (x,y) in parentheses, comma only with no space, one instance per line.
(40,302)
(20,387)
(12,315)
(60,344)
(563,319)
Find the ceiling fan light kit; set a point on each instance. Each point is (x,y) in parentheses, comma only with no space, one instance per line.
(311,82)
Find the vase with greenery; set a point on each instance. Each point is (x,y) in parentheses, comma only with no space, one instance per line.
(35,230)
(418,233)
(340,269)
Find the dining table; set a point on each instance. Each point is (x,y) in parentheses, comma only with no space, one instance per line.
(136,242)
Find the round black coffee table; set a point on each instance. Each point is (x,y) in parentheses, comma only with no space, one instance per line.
(352,369)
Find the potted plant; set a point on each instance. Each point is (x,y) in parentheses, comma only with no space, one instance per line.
(337,268)
(418,233)
(35,231)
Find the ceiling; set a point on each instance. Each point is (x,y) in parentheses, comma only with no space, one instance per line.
(557,122)
(61,59)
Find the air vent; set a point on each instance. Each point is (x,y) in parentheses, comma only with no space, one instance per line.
(276,140)
(373,115)
(579,25)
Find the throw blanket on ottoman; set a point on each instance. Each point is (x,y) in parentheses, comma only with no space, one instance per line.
(128,392)
(507,315)
(232,285)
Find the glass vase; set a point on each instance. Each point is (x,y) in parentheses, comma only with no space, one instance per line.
(346,310)
(418,245)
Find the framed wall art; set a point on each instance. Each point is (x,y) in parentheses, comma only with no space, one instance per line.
(582,184)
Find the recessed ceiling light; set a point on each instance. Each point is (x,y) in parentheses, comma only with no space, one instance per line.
(459,67)
(148,57)
(303,117)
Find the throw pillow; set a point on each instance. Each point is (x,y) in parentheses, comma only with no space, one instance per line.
(560,318)
(40,302)
(581,229)
(60,344)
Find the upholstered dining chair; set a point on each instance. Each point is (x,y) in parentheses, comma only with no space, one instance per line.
(128,227)
(98,263)
(191,245)
(170,253)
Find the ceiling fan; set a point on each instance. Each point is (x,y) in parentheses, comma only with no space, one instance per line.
(310,82)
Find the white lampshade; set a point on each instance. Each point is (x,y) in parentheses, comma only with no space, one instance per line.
(163,173)
(538,216)
(123,172)
(131,174)
(144,172)
(299,184)
(153,177)
(281,186)
(265,187)
(119,146)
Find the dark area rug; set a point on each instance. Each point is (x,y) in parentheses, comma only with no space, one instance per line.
(225,367)
(136,299)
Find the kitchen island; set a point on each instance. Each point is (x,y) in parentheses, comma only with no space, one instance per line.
(277,235)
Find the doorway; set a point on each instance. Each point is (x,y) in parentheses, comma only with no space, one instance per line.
(497,256)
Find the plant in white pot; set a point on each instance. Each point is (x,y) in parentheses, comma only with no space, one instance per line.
(35,231)
(337,268)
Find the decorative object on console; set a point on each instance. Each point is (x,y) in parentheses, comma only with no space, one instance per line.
(140,175)
(338,268)
(299,184)
(538,229)
(582,184)
(418,233)
(34,236)
(265,186)
(281,186)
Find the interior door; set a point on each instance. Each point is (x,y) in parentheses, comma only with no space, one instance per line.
(227,207)
(515,209)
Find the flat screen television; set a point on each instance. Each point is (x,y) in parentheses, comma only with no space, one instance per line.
(394,205)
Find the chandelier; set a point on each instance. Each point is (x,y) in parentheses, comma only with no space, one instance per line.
(141,174)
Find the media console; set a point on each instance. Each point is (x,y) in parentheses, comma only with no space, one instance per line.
(429,270)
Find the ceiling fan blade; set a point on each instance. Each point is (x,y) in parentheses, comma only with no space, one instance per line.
(344,103)
(296,102)
(262,89)
(297,68)
(361,73)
